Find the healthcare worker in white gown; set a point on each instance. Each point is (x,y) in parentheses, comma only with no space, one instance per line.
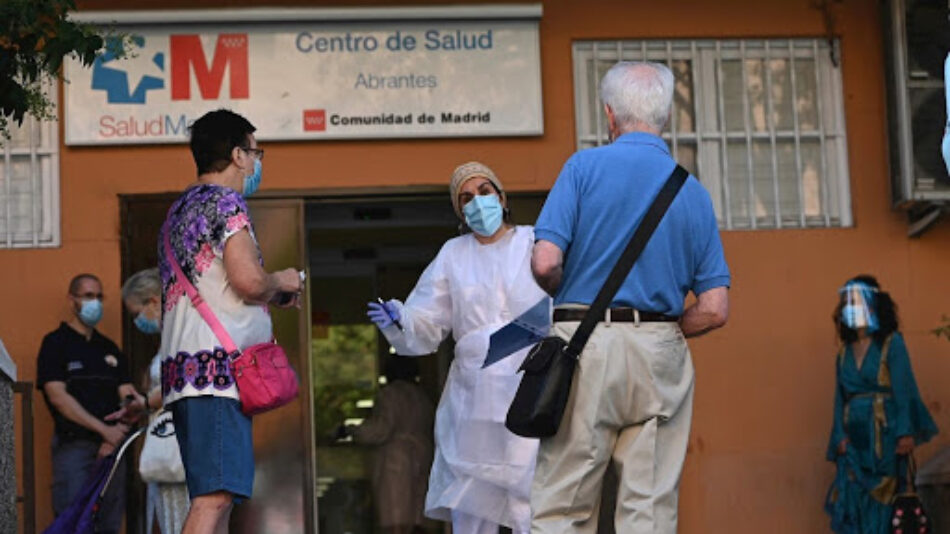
(481,474)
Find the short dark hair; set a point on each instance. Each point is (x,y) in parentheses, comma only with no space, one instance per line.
(74,283)
(884,308)
(214,136)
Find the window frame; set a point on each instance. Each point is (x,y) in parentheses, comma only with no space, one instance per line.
(44,176)
(712,133)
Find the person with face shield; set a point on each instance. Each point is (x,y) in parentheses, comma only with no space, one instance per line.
(481,475)
(83,376)
(166,502)
(879,416)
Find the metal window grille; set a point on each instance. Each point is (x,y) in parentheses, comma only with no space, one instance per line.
(759,122)
(29,186)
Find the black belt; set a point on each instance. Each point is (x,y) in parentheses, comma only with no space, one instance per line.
(617,315)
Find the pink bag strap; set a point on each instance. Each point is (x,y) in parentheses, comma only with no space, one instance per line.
(203,309)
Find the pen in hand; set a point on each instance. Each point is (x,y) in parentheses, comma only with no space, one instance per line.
(385,309)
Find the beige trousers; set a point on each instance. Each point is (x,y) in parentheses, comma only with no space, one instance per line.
(631,400)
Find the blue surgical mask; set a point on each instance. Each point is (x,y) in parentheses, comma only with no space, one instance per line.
(252,181)
(484,214)
(146,325)
(90,312)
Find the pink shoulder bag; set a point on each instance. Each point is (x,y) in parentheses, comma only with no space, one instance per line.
(265,379)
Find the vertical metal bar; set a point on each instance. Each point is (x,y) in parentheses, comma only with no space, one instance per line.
(840,143)
(697,97)
(819,98)
(905,142)
(28,464)
(770,121)
(600,121)
(581,84)
(34,178)
(747,119)
(798,141)
(724,142)
(669,63)
(54,204)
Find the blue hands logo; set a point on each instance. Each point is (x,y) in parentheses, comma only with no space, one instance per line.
(115,76)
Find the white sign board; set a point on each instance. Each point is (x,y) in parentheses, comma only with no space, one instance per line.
(300,80)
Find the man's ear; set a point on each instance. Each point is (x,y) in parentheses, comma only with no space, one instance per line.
(611,118)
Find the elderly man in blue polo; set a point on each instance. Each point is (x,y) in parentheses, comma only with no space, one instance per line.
(632,394)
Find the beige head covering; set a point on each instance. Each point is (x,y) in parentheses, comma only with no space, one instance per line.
(464,173)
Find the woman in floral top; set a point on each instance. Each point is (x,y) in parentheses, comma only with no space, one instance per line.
(212,239)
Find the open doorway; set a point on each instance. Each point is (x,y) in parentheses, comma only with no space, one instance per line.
(360,249)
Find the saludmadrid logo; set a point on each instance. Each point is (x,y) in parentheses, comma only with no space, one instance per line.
(129,83)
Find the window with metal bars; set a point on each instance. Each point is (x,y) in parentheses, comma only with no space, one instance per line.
(759,122)
(29,186)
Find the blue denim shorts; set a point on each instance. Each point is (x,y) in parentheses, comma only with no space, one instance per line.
(216,445)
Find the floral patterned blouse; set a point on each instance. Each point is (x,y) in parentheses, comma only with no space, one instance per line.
(194,363)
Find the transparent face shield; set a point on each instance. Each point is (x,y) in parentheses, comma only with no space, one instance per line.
(858,309)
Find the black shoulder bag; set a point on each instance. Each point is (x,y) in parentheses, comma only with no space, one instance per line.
(908,515)
(538,406)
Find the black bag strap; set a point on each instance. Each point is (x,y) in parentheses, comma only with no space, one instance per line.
(620,271)
(910,474)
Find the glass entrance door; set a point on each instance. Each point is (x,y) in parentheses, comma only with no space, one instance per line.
(361,249)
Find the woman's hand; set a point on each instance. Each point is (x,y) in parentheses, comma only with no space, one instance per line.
(288,280)
(290,288)
(905,445)
(843,446)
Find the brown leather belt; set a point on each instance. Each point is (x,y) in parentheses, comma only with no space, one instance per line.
(617,315)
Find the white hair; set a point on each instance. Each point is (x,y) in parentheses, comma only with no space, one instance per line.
(638,92)
(142,286)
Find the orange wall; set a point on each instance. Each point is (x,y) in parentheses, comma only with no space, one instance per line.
(764,383)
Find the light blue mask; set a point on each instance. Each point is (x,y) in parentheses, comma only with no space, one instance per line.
(146,325)
(90,312)
(484,214)
(252,181)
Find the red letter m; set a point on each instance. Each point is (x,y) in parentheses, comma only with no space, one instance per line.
(230,50)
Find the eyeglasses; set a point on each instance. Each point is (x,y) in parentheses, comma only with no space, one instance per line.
(256,152)
(88,296)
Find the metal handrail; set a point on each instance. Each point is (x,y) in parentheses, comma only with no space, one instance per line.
(28,465)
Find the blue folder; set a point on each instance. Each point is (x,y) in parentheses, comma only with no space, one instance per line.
(525,330)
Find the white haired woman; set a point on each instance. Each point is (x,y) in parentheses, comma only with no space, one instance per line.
(166,502)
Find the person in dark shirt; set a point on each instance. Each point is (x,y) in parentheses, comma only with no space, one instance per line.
(83,375)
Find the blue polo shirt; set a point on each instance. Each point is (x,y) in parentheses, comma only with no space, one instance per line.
(594,208)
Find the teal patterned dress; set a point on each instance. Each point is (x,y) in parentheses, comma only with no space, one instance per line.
(875,405)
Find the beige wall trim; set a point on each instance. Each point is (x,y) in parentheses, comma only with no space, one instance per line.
(334,14)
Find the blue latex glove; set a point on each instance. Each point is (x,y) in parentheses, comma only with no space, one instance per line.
(383,315)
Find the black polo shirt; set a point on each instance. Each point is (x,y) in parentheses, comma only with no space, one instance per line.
(92,369)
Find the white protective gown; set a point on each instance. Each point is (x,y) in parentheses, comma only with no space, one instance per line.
(480,468)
